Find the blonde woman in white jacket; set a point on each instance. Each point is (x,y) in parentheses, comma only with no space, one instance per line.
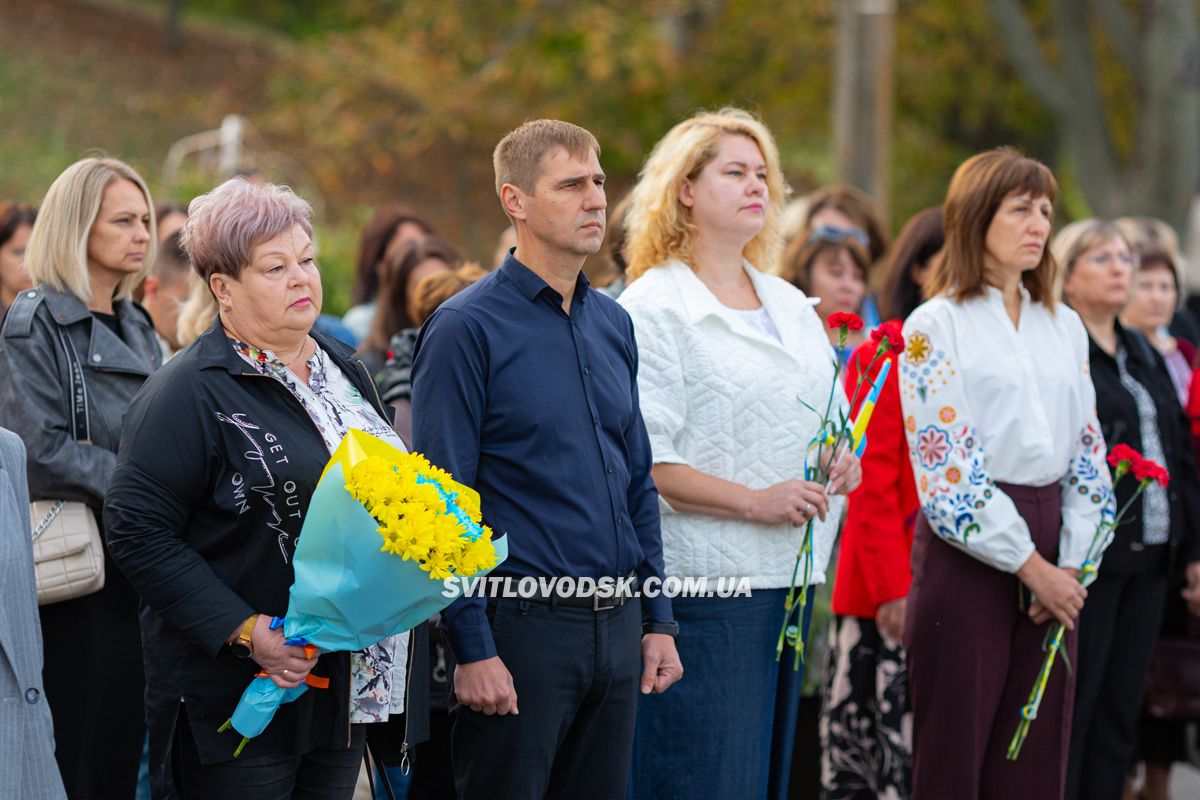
(727,351)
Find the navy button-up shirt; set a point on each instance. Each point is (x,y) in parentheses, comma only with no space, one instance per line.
(538,411)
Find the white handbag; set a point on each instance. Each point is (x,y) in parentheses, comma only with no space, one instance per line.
(68,556)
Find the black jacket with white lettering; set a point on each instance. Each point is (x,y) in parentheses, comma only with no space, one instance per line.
(216,468)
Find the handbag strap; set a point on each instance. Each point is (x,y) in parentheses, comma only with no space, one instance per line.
(80,423)
(46,520)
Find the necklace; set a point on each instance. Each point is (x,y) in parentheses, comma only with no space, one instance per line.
(301,356)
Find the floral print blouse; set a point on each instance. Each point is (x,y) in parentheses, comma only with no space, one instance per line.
(987,401)
(377,674)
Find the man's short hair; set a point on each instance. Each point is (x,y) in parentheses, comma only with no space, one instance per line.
(171,264)
(518,157)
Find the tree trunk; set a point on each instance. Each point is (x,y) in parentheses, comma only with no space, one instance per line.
(1160,51)
(863,97)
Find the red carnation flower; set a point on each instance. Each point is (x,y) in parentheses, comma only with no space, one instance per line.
(1161,475)
(1148,470)
(842,319)
(893,332)
(1123,452)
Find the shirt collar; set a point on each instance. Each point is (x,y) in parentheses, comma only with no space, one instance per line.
(994,293)
(699,302)
(66,307)
(530,284)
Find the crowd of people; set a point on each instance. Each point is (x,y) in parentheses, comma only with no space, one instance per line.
(170,372)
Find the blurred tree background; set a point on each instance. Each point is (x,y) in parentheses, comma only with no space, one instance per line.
(403,100)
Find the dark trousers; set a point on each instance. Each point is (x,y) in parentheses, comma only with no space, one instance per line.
(322,774)
(972,660)
(577,674)
(1117,629)
(99,722)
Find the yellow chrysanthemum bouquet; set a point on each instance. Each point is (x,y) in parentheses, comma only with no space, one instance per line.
(420,518)
(383,531)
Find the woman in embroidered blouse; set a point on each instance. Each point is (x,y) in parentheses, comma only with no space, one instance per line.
(1009,462)
(1137,406)
(230,457)
(725,350)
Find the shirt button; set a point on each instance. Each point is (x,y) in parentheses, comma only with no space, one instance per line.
(586,371)
(610,470)
(31,295)
(595,420)
(96,358)
(32,696)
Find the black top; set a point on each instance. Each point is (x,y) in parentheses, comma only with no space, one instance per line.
(395,379)
(538,410)
(216,468)
(1120,423)
(109,321)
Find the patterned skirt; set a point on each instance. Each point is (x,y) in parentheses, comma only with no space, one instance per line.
(866,723)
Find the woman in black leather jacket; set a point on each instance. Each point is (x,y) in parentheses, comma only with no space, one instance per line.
(90,246)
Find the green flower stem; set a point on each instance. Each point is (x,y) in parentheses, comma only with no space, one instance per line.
(801,633)
(226,725)
(1030,709)
(1055,638)
(863,376)
(787,607)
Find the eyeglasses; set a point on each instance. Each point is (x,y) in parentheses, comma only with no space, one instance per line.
(832,233)
(1105,259)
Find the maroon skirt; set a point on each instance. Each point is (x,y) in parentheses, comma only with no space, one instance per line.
(973,656)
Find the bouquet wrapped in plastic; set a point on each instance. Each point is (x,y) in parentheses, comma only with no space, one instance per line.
(383,529)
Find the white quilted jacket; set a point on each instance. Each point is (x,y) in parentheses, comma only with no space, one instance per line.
(722,397)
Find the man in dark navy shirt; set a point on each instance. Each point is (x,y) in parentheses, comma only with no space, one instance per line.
(525,387)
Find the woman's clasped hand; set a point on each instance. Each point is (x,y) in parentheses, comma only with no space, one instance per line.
(286,665)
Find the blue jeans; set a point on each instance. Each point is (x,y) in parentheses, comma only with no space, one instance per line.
(727,729)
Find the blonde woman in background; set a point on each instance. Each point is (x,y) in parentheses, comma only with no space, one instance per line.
(91,245)
(726,348)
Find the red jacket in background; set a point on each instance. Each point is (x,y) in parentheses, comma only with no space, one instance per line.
(873,564)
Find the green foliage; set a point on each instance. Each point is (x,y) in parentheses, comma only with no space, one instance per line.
(403,100)
(956,94)
(298,19)
(337,251)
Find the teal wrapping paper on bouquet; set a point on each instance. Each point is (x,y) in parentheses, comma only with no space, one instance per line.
(349,592)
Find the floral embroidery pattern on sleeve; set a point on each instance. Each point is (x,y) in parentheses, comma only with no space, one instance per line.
(1088,476)
(959,499)
(925,369)
(953,480)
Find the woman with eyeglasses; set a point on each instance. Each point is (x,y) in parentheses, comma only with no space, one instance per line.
(847,208)
(1137,405)
(830,265)
(866,723)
